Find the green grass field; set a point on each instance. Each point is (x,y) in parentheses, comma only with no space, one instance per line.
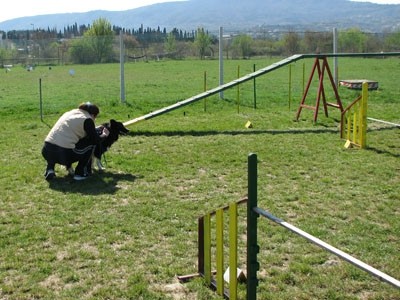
(128,232)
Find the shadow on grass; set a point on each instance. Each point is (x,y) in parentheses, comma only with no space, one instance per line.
(380,151)
(97,184)
(395,129)
(236,132)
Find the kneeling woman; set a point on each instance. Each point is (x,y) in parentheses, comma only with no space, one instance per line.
(73,139)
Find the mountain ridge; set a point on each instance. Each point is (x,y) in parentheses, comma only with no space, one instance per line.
(232,15)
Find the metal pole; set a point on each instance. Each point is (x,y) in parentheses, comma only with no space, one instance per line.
(290,85)
(304,76)
(252,248)
(221,61)
(335,59)
(122,71)
(238,91)
(254,88)
(40,99)
(343,255)
(205,89)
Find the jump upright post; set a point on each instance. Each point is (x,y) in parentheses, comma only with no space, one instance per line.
(252,247)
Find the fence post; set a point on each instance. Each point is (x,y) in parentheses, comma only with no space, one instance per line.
(205,90)
(40,99)
(290,86)
(252,247)
(238,91)
(254,88)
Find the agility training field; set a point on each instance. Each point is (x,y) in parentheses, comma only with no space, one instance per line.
(129,232)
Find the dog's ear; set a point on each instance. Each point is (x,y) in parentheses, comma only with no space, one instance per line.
(121,127)
(114,124)
(118,126)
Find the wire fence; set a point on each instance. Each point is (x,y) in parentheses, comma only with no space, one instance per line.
(34,49)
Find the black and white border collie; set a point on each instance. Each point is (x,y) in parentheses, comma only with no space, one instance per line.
(116,129)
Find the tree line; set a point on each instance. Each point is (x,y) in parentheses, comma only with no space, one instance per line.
(142,33)
(99,43)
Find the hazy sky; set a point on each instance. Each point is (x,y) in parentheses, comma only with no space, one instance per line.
(15,9)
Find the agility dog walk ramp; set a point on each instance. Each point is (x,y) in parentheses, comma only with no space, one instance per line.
(248,77)
(216,90)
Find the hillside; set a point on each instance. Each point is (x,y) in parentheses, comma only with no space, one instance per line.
(233,15)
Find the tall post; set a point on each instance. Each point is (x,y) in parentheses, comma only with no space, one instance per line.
(40,99)
(121,62)
(254,88)
(252,247)
(205,89)
(335,59)
(304,76)
(290,85)
(221,61)
(238,91)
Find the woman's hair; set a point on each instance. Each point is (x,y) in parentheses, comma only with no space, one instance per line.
(92,109)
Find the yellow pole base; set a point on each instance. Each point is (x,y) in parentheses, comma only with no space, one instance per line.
(348,144)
